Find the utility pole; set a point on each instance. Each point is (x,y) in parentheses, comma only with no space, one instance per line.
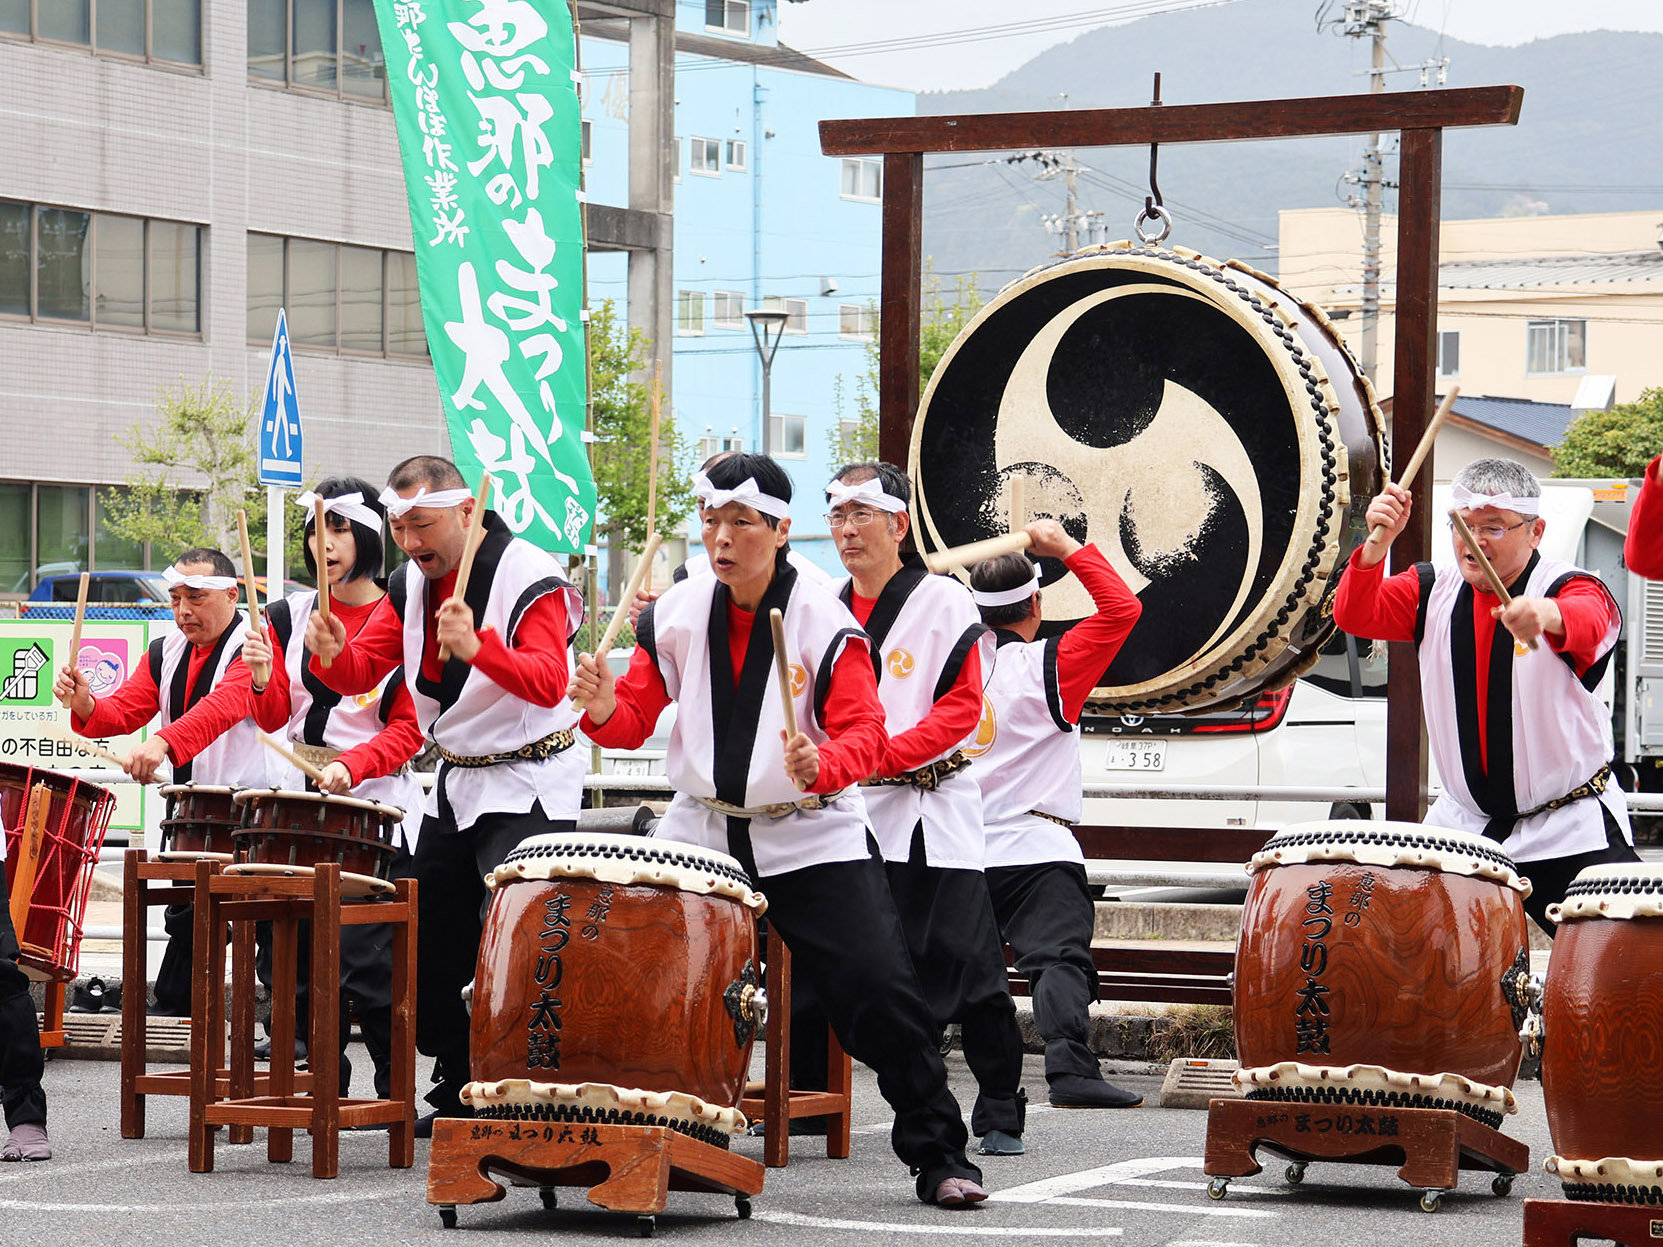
(1070,224)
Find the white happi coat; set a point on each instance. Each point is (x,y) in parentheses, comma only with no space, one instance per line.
(468,713)
(321,717)
(923,629)
(1548,731)
(1028,756)
(726,741)
(237,758)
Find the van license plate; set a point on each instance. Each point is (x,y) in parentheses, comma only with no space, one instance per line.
(631,766)
(1135,755)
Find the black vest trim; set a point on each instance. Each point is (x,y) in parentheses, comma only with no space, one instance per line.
(1590,678)
(1426,574)
(455,673)
(891,599)
(281,617)
(1053,684)
(180,700)
(540,589)
(644,637)
(398,584)
(153,656)
(956,659)
(828,661)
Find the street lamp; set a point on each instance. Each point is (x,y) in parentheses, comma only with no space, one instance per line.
(767,327)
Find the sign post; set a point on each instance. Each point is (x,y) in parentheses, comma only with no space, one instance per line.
(280,449)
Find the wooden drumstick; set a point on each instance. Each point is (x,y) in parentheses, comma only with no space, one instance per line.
(260,671)
(323,567)
(620,613)
(782,669)
(1496,587)
(1378,534)
(476,534)
(976,551)
(75,634)
(293,758)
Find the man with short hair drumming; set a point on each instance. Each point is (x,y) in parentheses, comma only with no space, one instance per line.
(1027,753)
(1522,742)
(496,709)
(789,809)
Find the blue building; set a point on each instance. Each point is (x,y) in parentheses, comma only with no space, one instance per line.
(762,219)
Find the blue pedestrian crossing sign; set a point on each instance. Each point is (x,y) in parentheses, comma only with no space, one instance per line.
(280,414)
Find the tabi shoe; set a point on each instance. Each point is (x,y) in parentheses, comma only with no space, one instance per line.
(262,1049)
(87,997)
(27,1142)
(957,1193)
(1079,1091)
(1000,1143)
(112,998)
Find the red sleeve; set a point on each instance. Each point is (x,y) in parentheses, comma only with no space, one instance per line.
(641,699)
(854,720)
(1087,649)
(226,705)
(1643,550)
(1589,613)
(272,705)
(127,709)
(1370,605)
(392,746)
(367,657)
(535,669)
(953,717)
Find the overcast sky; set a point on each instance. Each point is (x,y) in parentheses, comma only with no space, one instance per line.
(973,43)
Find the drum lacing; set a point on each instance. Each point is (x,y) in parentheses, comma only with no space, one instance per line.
(584,1114)
(1395,839)
(1599,1193)
(631,853)
(1376,1099)
(1621,885)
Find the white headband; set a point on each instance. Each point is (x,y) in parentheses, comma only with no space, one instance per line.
(197,581)
(1466,500)
(397,506)
(747,492)
(1008,597)
(350,505)
(869,493)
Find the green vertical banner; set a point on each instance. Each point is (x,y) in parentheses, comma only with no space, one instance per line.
(485,99)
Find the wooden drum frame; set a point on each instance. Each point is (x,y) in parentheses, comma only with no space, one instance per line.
(290,833)
(49,939)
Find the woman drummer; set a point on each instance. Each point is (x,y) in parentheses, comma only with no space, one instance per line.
(361,744)
(794,819)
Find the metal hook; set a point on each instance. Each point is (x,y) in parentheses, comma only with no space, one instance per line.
(1152,202)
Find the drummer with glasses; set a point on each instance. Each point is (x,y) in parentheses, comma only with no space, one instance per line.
(1522,740)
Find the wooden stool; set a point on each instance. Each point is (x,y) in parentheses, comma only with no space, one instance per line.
(281,1104)
(779,1102)
(1566,1222)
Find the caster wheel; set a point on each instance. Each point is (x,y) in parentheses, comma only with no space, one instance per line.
(1502,1185)
(742,1206)
(447,1216)
(1430,1201)
(1295,1173)
(551,1201)
(644,1226)
(1216,1188)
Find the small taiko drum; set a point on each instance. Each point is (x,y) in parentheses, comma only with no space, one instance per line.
(1382,964)
(77,816)
(1602,1043)
(291,833)
(199,822)
(617,981)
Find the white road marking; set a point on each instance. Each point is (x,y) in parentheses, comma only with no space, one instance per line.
(1193,1210)
(32,1169)
(31,1205)
(1085,1179)
(958,1229)
(1236,1188)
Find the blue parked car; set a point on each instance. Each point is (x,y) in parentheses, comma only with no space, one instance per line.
(117,594)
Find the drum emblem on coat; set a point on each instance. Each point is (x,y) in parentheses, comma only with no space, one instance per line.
(987,730)
(799,680)
(900,663)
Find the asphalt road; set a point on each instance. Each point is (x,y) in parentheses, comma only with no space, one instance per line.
(1127,1176)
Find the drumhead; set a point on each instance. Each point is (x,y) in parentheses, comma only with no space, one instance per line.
(1389,844)
(624,859)
(254,796)
(1621,890)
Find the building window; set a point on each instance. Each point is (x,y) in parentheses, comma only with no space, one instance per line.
(732,17)
(148,30)
(796,312)
(100,270)
(690,311)
(1449,352)
(51,530)
(788,435)
(712,444)
(736,155)
(863,179)
(331,46)
(730,310)
(1556,346)
(587,141)
(354,300)
(856,320)
(706,157)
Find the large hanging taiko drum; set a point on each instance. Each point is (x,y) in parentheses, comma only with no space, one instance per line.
(1602,1022)
(1206,429)
(617,981)
(1382,963)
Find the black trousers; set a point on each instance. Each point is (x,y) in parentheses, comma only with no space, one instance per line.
(840,923)
(173,976)
(1550,877)
(21,1062)
(1045,913)
(449,867)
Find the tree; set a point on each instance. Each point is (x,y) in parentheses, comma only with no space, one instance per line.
(1619,442)
(621,454)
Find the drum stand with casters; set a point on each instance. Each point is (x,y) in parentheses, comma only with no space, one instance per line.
(1566,1222)
(278,1101)
(1430,1146)
(774,1101)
